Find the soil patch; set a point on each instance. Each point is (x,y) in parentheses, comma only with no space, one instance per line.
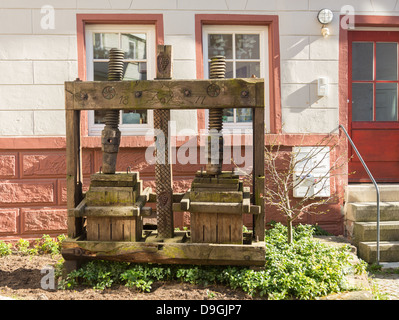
(21,278)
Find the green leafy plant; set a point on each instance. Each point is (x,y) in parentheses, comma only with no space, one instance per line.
(23,247)
(5,249)
(48,245)
(304,269)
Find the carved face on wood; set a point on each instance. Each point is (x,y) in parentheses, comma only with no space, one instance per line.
(163,61)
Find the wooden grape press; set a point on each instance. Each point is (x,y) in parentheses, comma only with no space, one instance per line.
(107,222)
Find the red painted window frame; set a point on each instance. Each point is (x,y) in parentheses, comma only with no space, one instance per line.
(271,21)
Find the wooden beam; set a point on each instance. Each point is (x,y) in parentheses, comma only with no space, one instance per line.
(259,220)
(163,167)
(74,174)
(164,252)
(165,94)
(185,201)
(258,172)
(218,207)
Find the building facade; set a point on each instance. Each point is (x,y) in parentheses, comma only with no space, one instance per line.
(45,43)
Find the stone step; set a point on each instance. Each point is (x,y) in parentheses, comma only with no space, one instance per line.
(389,265)
(366,192)
(367,231)
(389,251)
(367,211)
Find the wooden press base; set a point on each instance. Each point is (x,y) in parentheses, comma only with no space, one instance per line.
(166,251)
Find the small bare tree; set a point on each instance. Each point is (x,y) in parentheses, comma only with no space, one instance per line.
(288,171)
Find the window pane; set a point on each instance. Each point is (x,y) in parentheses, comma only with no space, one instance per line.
(134,117)
(228,115)
(102,43)
(247,69)
(362,102)
(244,115)
(134,46)
(362,61)
(100,71)
(386,101)
(386,61)
(247,46)
(220,44)
(135,71)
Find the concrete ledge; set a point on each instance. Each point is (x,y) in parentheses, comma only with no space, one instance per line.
(367,192)
(367,211)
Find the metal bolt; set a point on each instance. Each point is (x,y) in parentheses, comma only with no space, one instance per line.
(138,94)
(244,94)
(187,92)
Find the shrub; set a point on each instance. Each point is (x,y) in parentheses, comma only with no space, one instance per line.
(304,269)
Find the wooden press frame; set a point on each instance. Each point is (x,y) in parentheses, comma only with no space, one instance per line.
(160,94)
(81,95)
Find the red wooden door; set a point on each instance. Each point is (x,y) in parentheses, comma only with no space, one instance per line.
(373,104)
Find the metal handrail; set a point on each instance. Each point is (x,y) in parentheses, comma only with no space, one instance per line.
(376,188)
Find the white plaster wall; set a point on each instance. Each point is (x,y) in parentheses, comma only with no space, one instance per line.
(34,63)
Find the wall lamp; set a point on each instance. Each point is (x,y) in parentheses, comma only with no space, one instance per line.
(325,16)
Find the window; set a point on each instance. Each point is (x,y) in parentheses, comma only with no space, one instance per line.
(374,80)
(245,50)
(138,43)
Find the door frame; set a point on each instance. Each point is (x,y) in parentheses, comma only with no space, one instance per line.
(364,22)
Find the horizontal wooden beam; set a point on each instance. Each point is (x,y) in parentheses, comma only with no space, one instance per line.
(170,253)
(165,94)
(218,207)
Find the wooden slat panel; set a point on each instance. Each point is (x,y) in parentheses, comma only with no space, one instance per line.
(209,226)
(164,94)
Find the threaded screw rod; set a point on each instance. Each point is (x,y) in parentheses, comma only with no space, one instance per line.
(111,136)
(217,70)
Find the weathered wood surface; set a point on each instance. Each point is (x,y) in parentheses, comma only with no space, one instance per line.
(138,209)
(163,168)
(119,179)
(211,227)
(114,228)
(206,195)
(169,253)
(259,220)
(74,174)
(165,94)
(185,201)
(218,207)
(258,171)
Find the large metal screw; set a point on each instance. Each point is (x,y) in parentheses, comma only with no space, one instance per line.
(217,70)
(110,136)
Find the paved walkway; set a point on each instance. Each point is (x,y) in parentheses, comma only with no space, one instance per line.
(388,284)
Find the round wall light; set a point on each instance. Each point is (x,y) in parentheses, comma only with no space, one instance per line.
(325,16)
